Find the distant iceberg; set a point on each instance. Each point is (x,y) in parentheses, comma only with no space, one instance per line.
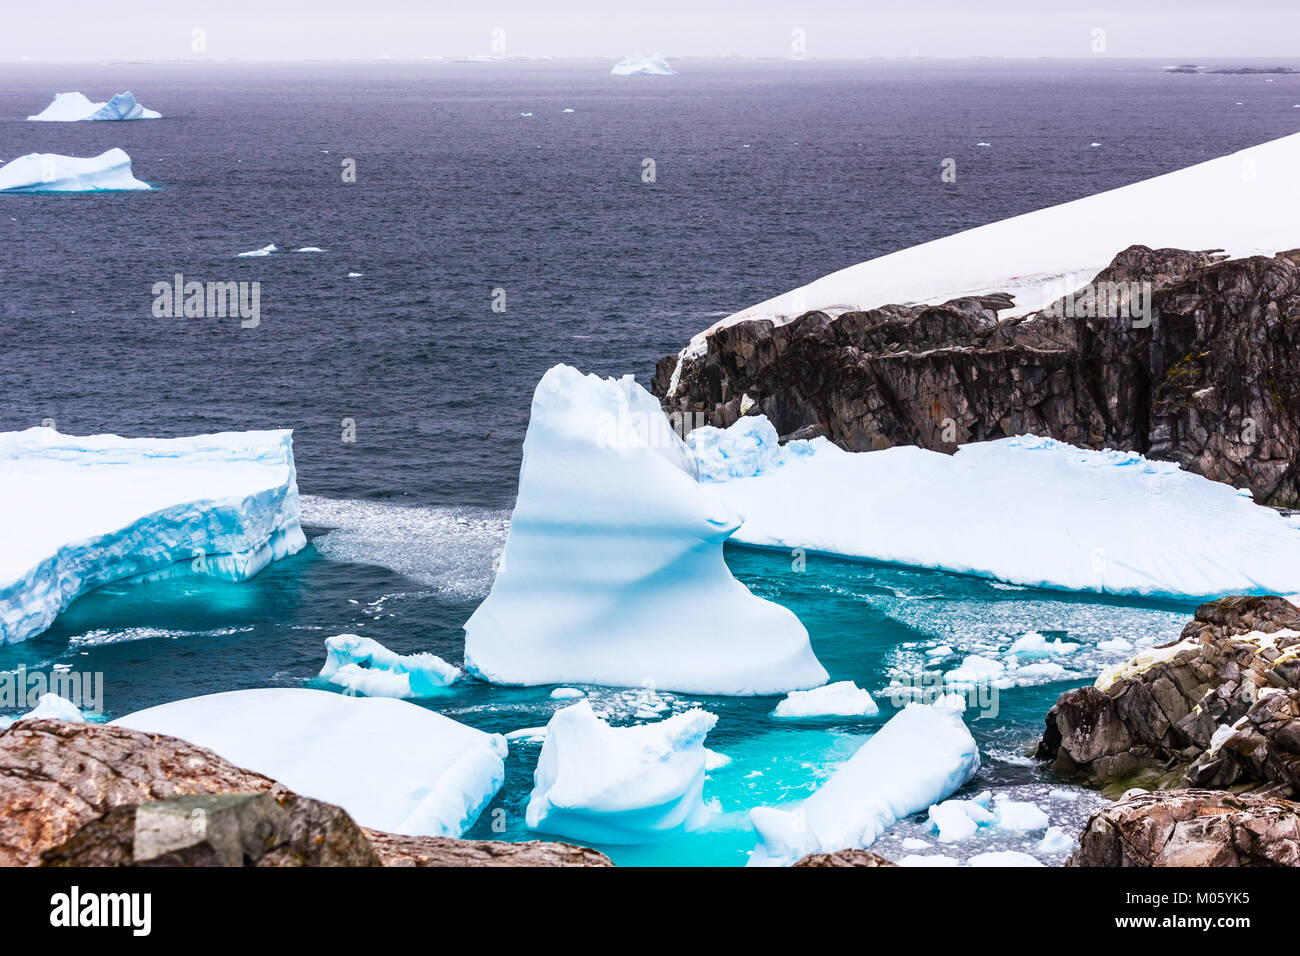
(364,666)
(1029,511)
(52,173)
(73,107)
(258,253)
(653,65)
(392,765)
(613,570)
(617,785)
(923,754)
(78,513)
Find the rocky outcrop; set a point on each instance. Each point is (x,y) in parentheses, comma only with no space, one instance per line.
(845,858)
(1219,707)
(1191,828)
(1211,382)
(94,795)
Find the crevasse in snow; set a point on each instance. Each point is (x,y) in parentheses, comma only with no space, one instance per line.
(613,570)
(80,512)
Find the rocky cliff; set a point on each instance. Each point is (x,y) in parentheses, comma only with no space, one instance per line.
(1178,355)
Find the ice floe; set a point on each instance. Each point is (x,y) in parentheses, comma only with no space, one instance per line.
(52,173)
(841,699)
(919,757)
(258,253)
(364,666)
(620,785)
(613,570)
(391,764)
(80,512)
(72,107)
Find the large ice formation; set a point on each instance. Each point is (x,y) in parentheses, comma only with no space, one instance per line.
(608,784)
(70,107)
(77,513)
(52,173)
(1026,510)
(364,666)
(613,570)
(391,764)
(921,755)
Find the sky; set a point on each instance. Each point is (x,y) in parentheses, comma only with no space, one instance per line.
(97,30)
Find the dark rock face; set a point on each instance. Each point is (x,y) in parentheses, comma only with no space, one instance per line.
(94,795)
(1211,383)
(1191,828)
(845,858)
(1154,724)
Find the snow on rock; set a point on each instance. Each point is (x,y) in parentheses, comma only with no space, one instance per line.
(841,699)
(638,65)
(620,785)
(48,707)
(391,764)
(80,512)
(1227,203)
(613,571)
(1026,510)
(70,107)
(364,666)
(52,173)
(921,755)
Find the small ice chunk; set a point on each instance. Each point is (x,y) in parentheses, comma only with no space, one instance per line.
(912,843)
(1020,816)
(1004,858)
(1056,841)
(841,699)
(1033,644)
(567,693)
(364,666)
(256,253)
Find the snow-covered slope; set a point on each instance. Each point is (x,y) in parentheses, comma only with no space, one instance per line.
(918,758)
(1026,510)
(638,65)
(613,570)
(77,513)
(364,666)
(52,173)
(1247,203)
(392,765)
(72,107)
(609,784)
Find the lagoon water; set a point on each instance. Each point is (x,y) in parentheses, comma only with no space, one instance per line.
(768,174)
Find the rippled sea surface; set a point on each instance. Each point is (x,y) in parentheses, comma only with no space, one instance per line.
(768,175)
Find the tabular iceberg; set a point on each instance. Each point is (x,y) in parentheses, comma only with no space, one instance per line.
(613,570)
(77,513)
(364,666)
(653,65)
(617,785)
(917,759)
(1027,510)
(841,699)
(392,765)
(52,173)
(73,107)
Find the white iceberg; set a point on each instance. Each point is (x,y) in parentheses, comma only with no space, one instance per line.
(638,65)
(613,571)
(1230,203)
(258,253)
(620,785)
(841,699)
(391,764)
(72,107)
(78,513)
(1027,511)
(52,173)
(918,758)
(48,707)
(364,666)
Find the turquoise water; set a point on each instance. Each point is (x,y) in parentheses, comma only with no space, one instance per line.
(166,640)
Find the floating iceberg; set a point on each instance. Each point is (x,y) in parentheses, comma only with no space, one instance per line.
(1229,203)
(258,253)
(917,759)
(1028,511)
(392,765)
(78,513)
(48,707)
(653,65)
(616,785)
(52,173)
(613,570)
(70,107)
(841,699)
(366,667)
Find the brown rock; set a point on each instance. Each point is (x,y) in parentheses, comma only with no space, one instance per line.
(845,858)
(397,850)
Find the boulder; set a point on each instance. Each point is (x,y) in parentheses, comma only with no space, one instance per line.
(845,858)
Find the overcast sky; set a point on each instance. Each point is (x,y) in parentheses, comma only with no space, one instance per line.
(304,29)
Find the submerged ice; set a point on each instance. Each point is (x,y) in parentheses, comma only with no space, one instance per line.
(52,173)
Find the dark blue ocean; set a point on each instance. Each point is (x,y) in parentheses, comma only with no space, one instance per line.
(768,174)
